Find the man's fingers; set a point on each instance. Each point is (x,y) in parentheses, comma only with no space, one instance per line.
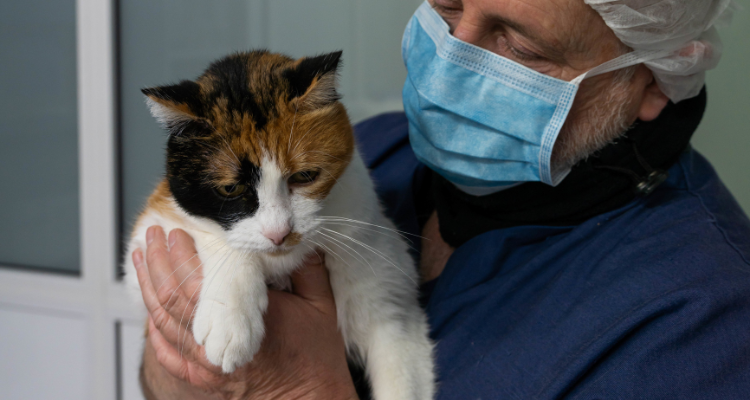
(170,287)
(188,275)
(159,316)
(311,282)
(159,268)
(183,255)
(178,366)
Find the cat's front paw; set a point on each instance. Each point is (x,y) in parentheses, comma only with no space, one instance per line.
(231,337)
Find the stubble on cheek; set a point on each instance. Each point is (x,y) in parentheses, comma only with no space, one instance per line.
(595,122)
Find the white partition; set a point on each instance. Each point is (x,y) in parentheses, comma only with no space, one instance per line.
(43,355)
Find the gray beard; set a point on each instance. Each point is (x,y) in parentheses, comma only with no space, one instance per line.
(594,128)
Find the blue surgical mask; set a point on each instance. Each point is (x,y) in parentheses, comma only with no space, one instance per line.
(479,119)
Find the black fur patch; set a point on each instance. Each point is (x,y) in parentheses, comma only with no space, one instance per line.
(232,82)
(301,78)
(190,183)
(187,92)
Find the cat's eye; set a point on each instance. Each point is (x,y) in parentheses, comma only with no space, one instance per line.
(231,191)
(303,177)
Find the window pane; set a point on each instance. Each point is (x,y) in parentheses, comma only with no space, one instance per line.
(39,223)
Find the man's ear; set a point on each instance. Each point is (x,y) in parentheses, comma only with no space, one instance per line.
(652,101)
(313,80)
(174,105)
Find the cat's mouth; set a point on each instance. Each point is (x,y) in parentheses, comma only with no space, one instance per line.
(281,251)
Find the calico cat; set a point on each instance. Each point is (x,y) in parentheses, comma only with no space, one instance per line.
(262,169)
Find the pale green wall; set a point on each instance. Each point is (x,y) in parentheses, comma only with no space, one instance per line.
(724,135)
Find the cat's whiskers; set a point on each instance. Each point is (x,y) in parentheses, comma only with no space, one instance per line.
(313,250)
(386,234)
(340,243)
(315,151)
(294,119)
(181,283)
(221,207)
(328,250)
(192,314)
(375,251)
(298,142)
(231,151)
(211,243)
(337,218)
(197,287)
(182,316)
(332,176)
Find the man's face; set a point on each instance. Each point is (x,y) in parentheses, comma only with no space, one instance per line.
(562,39)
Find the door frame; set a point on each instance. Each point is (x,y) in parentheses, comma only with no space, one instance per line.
(95,295)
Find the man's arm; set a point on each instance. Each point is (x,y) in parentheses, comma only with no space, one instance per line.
(302,356)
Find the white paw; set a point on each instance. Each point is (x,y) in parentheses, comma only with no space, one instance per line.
(231,337)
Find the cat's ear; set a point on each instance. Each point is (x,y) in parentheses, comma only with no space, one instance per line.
(174,105)
(313,80)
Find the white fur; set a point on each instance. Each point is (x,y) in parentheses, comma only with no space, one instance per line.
(373,278)
(167,116)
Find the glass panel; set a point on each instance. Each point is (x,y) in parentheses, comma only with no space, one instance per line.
(39,217)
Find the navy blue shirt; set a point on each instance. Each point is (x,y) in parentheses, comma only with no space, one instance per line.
(649,301)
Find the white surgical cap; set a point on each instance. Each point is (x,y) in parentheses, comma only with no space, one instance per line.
(685,28)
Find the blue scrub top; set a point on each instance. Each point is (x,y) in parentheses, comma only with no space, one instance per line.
(650,301)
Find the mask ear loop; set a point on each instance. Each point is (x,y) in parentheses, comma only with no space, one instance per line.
(623,61)
(643,185)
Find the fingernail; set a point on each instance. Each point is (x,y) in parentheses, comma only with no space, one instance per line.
(137,257)
(172,238)
(149,235)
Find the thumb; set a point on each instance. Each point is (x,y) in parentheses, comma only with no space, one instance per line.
(311,282)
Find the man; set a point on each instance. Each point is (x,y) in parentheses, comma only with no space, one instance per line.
(622,272)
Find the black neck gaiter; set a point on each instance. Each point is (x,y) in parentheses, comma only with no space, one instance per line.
(632,166)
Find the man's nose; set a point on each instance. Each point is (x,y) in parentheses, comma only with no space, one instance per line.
(277,234)
(469,29)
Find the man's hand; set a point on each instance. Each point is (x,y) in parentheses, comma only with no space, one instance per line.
(302,355)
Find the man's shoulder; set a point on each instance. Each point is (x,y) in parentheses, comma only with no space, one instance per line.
(378,136)
(653,298)
(693,224)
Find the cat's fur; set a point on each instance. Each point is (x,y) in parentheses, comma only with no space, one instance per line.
(257,119)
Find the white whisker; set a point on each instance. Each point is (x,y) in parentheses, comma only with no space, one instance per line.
(398,236)
(213,242)
(340,243)
(231,151)
(372,249)
(182,316)
(185,279)
(294,119)
(336,218)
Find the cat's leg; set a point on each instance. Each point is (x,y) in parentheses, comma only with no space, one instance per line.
(229,316)
(399,360)
(387,329)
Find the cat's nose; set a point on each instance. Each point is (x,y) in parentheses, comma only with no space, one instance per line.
(277,235)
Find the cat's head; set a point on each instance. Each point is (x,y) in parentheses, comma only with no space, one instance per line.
(256,143)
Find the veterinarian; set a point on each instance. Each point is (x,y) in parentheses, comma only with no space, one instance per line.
(575,245)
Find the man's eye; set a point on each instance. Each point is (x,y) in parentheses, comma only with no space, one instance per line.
(520,54)
(231,191)
(445,9)
(303,177)
(448,9)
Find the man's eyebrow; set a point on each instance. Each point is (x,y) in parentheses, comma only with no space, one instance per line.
(550,51)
